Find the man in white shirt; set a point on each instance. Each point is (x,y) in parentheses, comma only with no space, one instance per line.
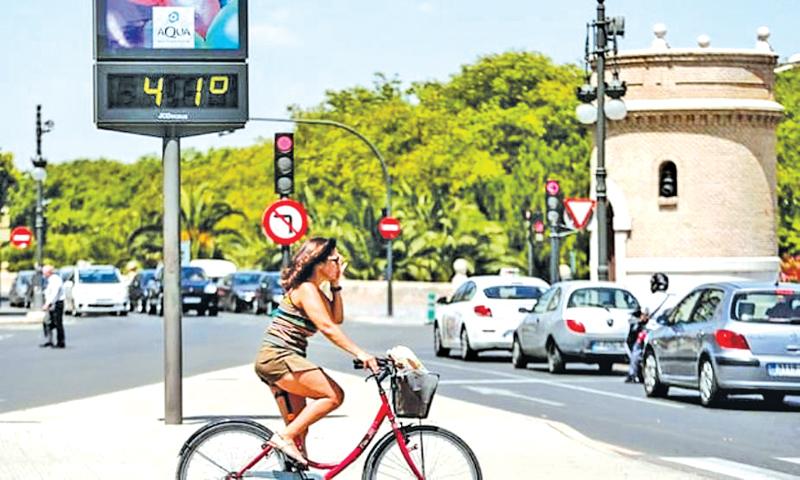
(54,303)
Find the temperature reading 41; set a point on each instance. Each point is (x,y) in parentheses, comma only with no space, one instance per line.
(172,91)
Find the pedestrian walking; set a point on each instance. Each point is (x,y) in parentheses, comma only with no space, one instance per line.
(54,308)
(282,362)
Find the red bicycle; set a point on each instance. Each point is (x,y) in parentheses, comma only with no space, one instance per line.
(237,448)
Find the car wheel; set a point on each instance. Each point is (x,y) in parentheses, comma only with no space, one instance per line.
(518,359)
(438,349)
(773,398)
(255,307)
(140,305)
(213,312)
(467,353)
(233,305)
(652,384)
(160,307)
(606,367)
(555,360)
(710,393)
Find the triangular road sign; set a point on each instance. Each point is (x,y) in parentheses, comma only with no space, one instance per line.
(580,210)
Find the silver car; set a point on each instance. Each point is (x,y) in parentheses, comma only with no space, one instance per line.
(576,321)
(726,338)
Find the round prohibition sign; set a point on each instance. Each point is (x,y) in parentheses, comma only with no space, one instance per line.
(285,221)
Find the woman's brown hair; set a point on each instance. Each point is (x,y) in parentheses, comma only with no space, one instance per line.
(300,269)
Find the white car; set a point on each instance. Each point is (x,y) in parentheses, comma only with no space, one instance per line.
(95,289)
(483,314)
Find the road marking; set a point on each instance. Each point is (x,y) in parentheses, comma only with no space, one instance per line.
(509,393)
(563,385)
(730,468)
(789,459)
(486,381)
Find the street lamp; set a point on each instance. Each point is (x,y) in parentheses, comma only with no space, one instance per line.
(606,31)
(39,174)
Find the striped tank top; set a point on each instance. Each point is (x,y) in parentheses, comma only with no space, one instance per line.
(290,328)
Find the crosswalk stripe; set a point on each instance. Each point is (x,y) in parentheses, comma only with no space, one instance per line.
(729,468)
(789,459)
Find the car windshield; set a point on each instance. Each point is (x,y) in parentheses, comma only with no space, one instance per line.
(778,306)
(98,276)
(513,292)
(193,274)
(246,278)
(604,297)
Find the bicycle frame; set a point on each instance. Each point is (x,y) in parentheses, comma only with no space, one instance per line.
(333,469)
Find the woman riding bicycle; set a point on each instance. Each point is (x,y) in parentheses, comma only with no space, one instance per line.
(282,363)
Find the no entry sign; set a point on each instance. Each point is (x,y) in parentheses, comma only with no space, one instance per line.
(21,237)
(285,221)
(389,228)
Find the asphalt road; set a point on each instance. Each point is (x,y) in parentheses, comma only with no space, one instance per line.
(106,354)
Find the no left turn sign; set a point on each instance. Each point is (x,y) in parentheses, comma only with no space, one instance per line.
(285,221)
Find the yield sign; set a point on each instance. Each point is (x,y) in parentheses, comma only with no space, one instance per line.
(21,237)
(579,210)
(285,221)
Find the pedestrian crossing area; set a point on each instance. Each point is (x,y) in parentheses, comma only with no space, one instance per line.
(739,470)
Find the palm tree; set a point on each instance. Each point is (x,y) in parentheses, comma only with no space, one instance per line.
(200,216)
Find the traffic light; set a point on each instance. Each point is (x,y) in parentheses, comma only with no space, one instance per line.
(538,227)
(284,164)
(667,180)
(555,206)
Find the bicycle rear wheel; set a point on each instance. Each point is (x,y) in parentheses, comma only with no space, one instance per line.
(220,450)
(436,452)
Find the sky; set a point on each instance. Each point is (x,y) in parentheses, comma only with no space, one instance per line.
(301,48)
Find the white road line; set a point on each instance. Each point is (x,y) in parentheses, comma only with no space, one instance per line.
(484,381)
(509,393)
(730,468)
(563,385)
(789,459)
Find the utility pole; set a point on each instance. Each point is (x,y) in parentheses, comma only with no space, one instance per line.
(39,174)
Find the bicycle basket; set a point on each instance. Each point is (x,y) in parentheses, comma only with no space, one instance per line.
(412,393)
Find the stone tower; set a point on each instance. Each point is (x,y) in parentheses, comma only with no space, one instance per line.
(706,118)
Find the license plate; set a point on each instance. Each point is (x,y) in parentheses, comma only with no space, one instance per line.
(606,346)
(783,369)
(192,300)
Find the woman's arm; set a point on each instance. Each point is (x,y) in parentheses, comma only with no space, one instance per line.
(310,299)
(337,306)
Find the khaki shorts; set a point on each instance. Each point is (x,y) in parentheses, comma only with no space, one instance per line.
(272,363)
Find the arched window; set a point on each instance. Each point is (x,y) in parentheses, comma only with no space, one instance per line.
(667,180)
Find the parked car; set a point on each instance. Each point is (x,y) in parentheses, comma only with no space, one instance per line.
(95,289)
(18,293)
(198,292)
(237,290)
(137,289)
(576,321)
(214,268)
(483,313)
(269,293)
(727,338)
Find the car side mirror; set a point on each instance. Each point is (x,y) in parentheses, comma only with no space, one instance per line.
(442,301)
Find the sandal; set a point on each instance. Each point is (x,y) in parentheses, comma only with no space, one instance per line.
(287,448)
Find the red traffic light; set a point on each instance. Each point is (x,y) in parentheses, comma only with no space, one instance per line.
(552,187)
(284,143)
(538,226)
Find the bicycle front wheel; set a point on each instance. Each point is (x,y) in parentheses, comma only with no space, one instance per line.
(221,450)
(437,453)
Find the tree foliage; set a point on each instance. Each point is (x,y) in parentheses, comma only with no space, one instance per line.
(466,156)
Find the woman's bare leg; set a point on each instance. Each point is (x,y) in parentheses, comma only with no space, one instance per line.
(315,384)
(290,406)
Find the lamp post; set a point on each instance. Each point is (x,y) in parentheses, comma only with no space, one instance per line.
(39,174)
(606,30)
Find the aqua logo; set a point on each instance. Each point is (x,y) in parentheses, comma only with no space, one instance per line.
(173,17)
(174,32)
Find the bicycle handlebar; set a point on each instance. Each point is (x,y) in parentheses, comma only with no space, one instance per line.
(386,365)
(382,362)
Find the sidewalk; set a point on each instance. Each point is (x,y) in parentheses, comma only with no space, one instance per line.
(122,435)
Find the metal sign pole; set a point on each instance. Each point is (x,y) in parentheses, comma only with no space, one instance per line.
(173,366)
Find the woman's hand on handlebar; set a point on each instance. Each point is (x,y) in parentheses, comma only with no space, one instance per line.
(370,362)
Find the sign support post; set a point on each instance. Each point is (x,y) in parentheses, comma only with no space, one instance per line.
(173,366)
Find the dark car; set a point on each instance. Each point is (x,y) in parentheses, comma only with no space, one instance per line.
(236,290)
(18,295)
(268,294)
(137,289)
(198,292)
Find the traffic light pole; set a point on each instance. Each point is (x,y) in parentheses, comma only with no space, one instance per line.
(602,227)
(387,179)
